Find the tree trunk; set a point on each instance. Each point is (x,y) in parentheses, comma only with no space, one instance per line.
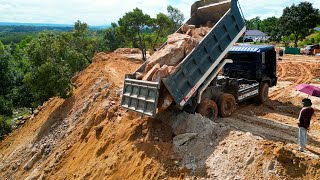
(296,38)
(154,44)
(142,47)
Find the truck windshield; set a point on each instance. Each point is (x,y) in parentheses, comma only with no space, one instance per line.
(243,57)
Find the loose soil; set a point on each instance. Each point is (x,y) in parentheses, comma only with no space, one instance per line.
(88,136)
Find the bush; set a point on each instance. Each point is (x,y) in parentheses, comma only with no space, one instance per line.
(5,106)
(5,128)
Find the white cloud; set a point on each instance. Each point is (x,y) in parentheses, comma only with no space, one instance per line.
(264,9)
(99,12)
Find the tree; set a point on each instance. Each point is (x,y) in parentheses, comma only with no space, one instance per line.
(176,17)
(20,93)
(80,28)
(299,20)
(112,38)
(5,128)
(161,27)
(5,80)
(271,27)
(82,41)
(55,58)
(253,23)
(132,26)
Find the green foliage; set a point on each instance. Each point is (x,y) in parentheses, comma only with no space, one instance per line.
(54,59)
(176,17)
(5,80)
(312,39)
(40,67)
(299,20)
(271,27)
(287,40)
(253,23)
(132,25)
(6,106)
(5,128)
(161,28)
(15,37)
(112,38)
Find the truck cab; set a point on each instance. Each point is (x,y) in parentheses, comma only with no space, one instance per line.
(252,63)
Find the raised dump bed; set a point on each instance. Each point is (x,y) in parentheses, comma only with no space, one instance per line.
(195,72)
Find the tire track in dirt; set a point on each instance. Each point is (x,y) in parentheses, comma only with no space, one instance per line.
(303,75)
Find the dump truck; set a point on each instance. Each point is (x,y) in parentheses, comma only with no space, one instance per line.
(196,85)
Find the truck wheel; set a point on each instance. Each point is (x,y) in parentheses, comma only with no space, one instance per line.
(226,105)
(263,92)
(208,108)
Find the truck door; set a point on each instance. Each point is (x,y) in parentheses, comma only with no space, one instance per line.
(270,66)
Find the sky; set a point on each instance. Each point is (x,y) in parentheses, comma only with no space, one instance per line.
(103,12)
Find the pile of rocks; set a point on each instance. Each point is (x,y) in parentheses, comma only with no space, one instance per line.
(164,61)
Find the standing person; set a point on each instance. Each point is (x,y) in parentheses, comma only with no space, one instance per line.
(304,122)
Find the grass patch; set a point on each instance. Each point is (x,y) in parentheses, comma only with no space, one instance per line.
(16,114)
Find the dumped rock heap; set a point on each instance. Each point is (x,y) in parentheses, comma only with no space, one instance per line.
(164,61)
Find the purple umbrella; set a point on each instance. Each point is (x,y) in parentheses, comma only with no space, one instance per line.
(309,89)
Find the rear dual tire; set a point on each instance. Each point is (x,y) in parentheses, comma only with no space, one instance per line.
(208,109)
(225,106)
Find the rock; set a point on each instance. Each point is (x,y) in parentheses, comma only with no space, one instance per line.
(111,113)
(163,72)
(34,175)
(87,128)
(171,54)
(191,166)
(185,28)
(191,44)
(139,76)
(177,37)
(151,72)
(250,160)
(36,112)
(271,165)
(120,91)
(33,160)
(225,151)
(100,117)
(128,51)
(181,139)
(99,128)
(200,32)
(165,99)
(101,56)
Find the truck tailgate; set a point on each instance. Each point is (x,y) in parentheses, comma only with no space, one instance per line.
(140,96)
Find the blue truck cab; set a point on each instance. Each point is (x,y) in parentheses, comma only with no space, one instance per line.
(252,62)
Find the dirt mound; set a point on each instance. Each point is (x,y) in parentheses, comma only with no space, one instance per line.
(88,136)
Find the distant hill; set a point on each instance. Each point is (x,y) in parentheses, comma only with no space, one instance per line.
(41,26)
(15,32)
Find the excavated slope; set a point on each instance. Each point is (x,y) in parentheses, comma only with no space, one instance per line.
(88,136)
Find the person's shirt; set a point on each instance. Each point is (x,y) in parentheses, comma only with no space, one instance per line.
(305,117)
